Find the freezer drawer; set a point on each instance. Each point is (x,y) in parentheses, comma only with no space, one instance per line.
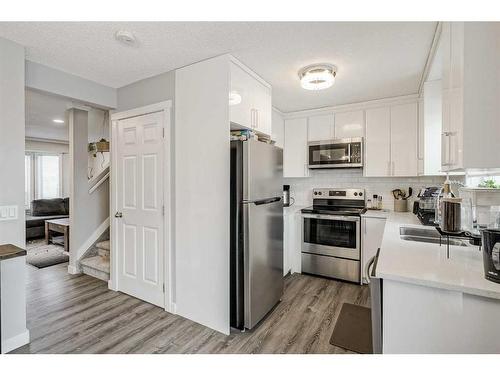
(338,268)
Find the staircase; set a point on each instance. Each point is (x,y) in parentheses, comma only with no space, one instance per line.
(96,264)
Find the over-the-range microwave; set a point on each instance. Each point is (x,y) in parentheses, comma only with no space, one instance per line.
(336,153)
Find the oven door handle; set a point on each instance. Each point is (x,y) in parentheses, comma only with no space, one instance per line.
(331,217)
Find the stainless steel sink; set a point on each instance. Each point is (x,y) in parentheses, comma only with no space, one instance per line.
(428,235)
(419,232)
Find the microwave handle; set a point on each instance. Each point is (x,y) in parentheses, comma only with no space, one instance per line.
(349,151)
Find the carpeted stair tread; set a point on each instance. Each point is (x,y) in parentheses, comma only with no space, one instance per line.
(98,263)
(104,245)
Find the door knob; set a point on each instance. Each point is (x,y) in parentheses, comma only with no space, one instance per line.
(118,214)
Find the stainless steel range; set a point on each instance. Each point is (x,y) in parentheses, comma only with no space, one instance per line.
(331,234)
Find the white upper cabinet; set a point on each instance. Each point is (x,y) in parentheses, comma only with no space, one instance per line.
(321,127)
(391,141)
(250,101)
(378,142)
(350,124)
(432,127)
(470,94)
(278,127)
(404,135)
(295,148)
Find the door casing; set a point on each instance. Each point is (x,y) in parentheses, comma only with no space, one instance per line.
(164,107)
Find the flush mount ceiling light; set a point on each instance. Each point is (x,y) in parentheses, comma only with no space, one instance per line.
(126,37)
(58,121)
(318,76)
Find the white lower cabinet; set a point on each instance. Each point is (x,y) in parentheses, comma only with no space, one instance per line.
(295,148)
(292,239)
(372,231)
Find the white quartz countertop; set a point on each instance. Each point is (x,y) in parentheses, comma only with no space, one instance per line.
(377,214)
(426,264)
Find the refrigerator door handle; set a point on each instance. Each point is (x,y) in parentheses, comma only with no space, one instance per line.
(259,202)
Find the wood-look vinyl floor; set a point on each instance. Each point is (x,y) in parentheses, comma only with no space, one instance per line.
(79,314)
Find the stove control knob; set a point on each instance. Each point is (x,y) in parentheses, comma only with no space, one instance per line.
(355,194)
(360,194)
(319,193)
(315,193)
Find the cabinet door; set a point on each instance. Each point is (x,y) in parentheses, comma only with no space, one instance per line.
(456,94)
(242,87)
(404,135)
(320,128)
(263,108)
(295,148)
(372,232)
(350,124)
(278,129)
(378,142)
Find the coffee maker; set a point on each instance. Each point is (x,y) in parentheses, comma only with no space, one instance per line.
(426,209)
(491,254)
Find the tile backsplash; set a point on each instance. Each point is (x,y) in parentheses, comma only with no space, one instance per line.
(301,188)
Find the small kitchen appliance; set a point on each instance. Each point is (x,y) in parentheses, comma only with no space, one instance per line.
(331,234)
(491,254)
(287,200)
(451,221)
(336,153)
(426,210)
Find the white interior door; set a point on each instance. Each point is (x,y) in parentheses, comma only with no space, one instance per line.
(139,187)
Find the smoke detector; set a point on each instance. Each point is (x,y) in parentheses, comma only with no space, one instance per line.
(126,37)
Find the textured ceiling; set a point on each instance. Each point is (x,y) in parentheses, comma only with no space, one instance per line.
(374,60)
(41,110)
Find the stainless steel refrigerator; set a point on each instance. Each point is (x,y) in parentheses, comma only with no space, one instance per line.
(256,231)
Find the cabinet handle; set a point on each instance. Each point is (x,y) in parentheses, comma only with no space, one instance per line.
(447,153)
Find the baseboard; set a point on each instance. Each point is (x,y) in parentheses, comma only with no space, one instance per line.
(92,239)
(73,270)
(111,285)
(15,342)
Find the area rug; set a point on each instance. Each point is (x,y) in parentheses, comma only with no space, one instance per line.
(353,330)
(41,255)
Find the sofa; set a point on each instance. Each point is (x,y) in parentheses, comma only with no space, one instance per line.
(42,210)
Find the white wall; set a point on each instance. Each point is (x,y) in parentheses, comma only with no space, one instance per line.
(202,177)
(87,211)
(98,128)
(12,131)
(301,188)
(147,91)
(44,78)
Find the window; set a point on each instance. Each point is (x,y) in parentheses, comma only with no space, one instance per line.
(491,181)
(42,176)
(28,181)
